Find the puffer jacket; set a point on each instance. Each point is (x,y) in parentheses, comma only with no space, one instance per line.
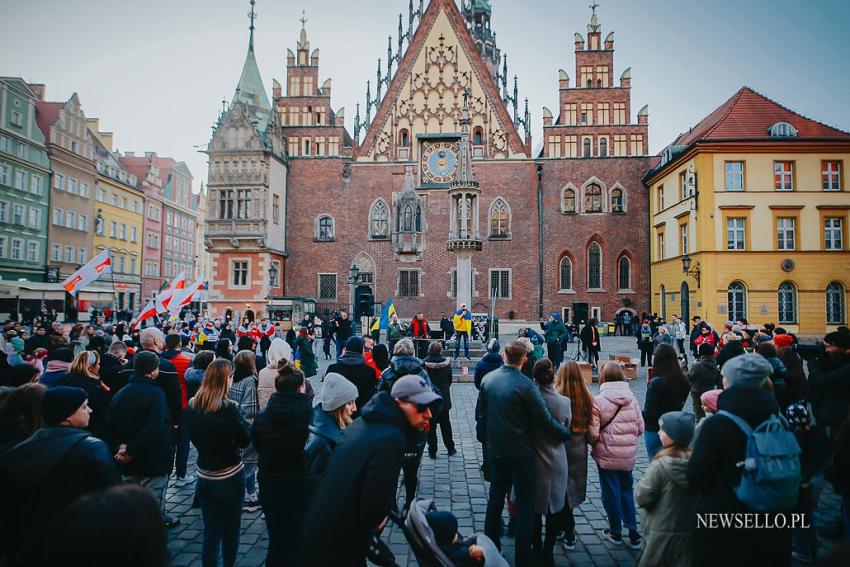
(615,438)
(439,370)
(669,512)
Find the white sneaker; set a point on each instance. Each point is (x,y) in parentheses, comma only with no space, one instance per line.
(184,480)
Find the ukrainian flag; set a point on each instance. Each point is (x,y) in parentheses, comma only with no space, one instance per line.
(386,314)
(202,337)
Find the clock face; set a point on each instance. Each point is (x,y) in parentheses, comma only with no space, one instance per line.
(439,162)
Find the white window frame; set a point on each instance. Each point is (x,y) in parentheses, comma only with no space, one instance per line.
(19,214)
(32,251)
(731,175)
(736,231)
(785,178)
(81,256)
(833,233)
(839,302)
(786,233)
(55,252)
(786,298)
(831,179)
(69,254)
(2,246)
(16,250)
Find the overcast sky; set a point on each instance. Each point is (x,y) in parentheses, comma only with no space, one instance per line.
(155,71)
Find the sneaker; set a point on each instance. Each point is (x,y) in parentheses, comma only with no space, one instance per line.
(452,452)
(634,539)
(801,557)
(184,480)
(171,521)
(432,455)
(612,537)
(569,542)
(251,505)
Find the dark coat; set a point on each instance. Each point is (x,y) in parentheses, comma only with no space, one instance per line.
(662,395)
(98,402)
(588,336)
(359,486)
(279,434)
(439,370)
(704,375)
(830,392)
(490,362)
(111,372)
(140,418)
(729,351)
(713,472)
(353,366)
(342,329)
(401,365)
(169,383)
(839,473)
(218,436)
(321,442)
(41,476)
(309,361)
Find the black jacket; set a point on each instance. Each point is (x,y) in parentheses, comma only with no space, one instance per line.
(279,434)
(169,384)
(139,417)
(218,436)
(588,336)
(353,366)
(713,473)
(662,395)
(41,476)
(510,407)
(342,329)
(359,486)
(439,370)
(839,473)
(98,402)
(729,351)
(830,383)
(490,362)
(321,442)
(704,375)
(401,365)
(111,372)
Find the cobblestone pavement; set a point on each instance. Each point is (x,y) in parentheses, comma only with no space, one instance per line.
(456,485)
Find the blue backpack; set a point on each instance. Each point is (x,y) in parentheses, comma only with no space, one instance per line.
(770,479)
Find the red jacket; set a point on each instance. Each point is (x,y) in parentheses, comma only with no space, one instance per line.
(181,362)
(420,328)
(370,362)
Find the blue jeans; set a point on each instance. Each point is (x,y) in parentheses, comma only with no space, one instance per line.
(221,507)
(250,476)
(284,505)
(652,442)
(465,336)
(618,499)
(517,472)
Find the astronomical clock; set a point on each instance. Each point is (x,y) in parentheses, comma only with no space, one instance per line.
(439,162)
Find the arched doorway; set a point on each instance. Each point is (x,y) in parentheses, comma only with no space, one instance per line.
(249,315)
(685,303)
(228,314)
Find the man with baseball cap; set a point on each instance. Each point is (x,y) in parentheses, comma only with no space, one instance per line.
(43,474)
(358,489)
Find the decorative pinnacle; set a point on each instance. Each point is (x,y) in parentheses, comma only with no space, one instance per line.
(252,16)
(303,18)
(593,7)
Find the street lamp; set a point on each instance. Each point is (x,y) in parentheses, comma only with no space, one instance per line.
(272,283)
(689,270)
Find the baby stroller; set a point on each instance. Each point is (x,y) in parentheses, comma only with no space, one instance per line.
(421,539)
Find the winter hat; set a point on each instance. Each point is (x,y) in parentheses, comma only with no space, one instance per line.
(709,400)
(336,392)
(278,350)
(747,370)
(493,346)
(783,340)
(798,416)
(60,402)
(556,316)
(145,362)
(18,344)
(62,355)
(839,338)
(354,344)
(679,426)
(765,338)
(444,526)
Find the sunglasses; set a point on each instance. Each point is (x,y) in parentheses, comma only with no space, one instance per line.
(421,408)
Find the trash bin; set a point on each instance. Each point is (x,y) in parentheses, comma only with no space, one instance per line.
(602,328)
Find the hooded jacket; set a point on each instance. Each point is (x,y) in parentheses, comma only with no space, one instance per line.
(279,434)
(615,437)
(669,513)
(359,485)
(439,369)
(704,375)
(352,365)
(323,436)
(490,362)
(401,365)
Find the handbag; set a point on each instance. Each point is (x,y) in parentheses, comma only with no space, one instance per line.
(379,552)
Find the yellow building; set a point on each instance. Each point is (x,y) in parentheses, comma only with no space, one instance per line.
(119,206)
(753,201)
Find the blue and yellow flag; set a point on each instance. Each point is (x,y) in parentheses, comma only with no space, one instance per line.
(386,314)
(202,337)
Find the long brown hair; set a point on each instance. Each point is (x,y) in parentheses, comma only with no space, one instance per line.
(214,386)
(84,362)
(340,417)
(570,383)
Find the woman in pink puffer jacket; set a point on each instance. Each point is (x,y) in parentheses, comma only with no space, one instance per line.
(615,428)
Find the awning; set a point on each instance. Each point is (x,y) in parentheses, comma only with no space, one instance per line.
(96,295)
(49,291)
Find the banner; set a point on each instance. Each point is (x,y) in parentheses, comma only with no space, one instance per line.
(146,313)
(164,298)
(182,298)
(94,268)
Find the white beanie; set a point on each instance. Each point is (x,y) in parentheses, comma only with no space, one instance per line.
(278,350)
(336,392)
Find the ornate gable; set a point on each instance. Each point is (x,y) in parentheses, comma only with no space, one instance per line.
(426,95)
(236,131)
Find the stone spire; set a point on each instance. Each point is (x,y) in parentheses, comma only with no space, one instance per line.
(593,26)
(250,90)
(464,176)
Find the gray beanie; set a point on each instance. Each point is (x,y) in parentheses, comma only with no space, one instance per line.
(747,370)
(336,392)
(679,426)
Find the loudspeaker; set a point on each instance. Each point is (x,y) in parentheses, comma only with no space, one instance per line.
(581,311)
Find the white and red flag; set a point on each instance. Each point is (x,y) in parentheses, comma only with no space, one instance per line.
(163,300)
(100,264)
(183,297)
(149,311)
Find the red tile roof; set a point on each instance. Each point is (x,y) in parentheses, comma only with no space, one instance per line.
(46,115)
(748,115)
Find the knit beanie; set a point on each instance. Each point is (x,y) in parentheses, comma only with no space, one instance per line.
(783,340)
(60,402)
(747,370)
(354,344)
(145,362)
(336,392)
(444,526)
(18,344)
(493,346)
(679,426)
(709,400)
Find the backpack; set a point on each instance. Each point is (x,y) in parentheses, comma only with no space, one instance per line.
(770,479)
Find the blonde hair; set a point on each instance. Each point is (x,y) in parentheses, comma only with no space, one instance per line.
(340,416)
(570,383)
(611,372)
(84,363)
(214,386)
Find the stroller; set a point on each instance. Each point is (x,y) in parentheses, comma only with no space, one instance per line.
(421,539)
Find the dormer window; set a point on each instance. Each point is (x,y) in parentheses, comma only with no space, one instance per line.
(783,130)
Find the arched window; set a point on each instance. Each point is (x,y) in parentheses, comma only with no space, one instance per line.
(407,223)
(736,299)
(624,273)
(593,199)
(663,301)
(417,219)
(404,139)
(568,201)
(500,221)
(594,266)
(325,228)
(835,304)
(787,302)
(379,220)
(478,136)
(617,201)
(566,273)
(586,147)
(603,147)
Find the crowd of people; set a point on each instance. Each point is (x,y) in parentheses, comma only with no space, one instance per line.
(96,422)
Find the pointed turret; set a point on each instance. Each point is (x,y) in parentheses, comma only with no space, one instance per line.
(250,90)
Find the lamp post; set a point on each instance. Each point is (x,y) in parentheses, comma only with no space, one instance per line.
(691,270)
(272,284)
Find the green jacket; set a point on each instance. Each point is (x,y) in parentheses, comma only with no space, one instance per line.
(394,332)
(556,331)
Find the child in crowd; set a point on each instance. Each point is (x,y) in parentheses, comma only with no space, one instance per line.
(461,551)
(669,506)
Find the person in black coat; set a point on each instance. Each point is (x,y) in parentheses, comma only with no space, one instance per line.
(151,340)
(667,391)
(490,362)
(112,366)
(342,330)
(590,342)
(713,471)
(729,350)
(46,472)
(279,434)
(355,496)
(829,377)
(84,375)
(140,429)
(352,365)
(439,370)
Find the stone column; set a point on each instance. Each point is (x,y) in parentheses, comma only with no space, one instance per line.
(464,278)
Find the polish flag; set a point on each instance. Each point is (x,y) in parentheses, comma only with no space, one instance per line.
(165,297)
(100,264)
(182,298)
(149,311)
